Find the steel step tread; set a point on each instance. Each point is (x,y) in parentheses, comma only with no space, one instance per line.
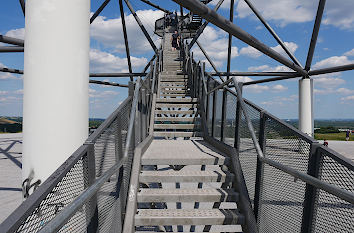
(176,105)
(187,195)
(176,119)
(175,100)
(216,175)
(175,126)
(176,112)
(177,134)
(163,217)
(183,152)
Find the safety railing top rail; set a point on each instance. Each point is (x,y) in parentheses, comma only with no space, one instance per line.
(343,194)
(33,205)
(63,216)
(327,175)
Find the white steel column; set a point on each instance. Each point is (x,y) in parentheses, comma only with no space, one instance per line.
(306,122)
(56,66)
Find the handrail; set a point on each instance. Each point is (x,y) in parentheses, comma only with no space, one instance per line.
(343,194)
(56,223)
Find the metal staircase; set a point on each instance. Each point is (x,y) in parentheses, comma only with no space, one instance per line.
(187,153)
(185,185)
(176,112)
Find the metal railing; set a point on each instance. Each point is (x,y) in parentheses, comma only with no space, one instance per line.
(88,192)
(292,183)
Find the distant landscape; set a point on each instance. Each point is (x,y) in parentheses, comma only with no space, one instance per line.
(324,128)
(14,124)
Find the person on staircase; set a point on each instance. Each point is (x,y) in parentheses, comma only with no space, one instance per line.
(175,41)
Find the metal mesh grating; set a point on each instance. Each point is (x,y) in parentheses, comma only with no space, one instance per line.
(210,113)
(281,202)
(333,214)
(230,124)
(281,196)
(71,185)
(248,154)
(218,113)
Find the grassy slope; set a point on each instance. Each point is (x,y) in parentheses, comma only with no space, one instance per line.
(333,136)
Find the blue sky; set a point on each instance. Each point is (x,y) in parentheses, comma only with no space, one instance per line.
(291,19)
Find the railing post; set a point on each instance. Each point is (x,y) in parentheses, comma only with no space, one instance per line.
(131,88)
(206,96)
(143,113)
(260,166)
(89,170)
(223,114)
(313,169)
(238,122)
(213,121)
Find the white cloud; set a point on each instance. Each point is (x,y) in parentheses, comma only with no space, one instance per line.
(280,101)
(330,90)
(328,82)
(254,53)
(9,100)
(267,68)
(106,62)
(279,88)
(332,61)
(250,52)
(18,92)
(16,33)
(101,94)
(256,88)
(348,98)
(215,42)
(110,33)
(349,53)
(282,12)
(290,45)
(344,91)
(243,79)
(338,13)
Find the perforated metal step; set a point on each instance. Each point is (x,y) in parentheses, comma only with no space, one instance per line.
(177,134)
(187,195)
(185,176)
(163,217)
(174,100)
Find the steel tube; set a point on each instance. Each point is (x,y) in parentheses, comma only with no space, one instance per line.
(270,80)
(22,2)
(99,10)
(11,40)
(125,38)
(132,118)
(270,29)
(251,73)
(220,86)
(141,26)
(156,6)
(315,31)
(11,49)
(108,83)
(236,31)
(209,60)
(332,69)
(117,75)
(232,2)
(8,70)
(201,29)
